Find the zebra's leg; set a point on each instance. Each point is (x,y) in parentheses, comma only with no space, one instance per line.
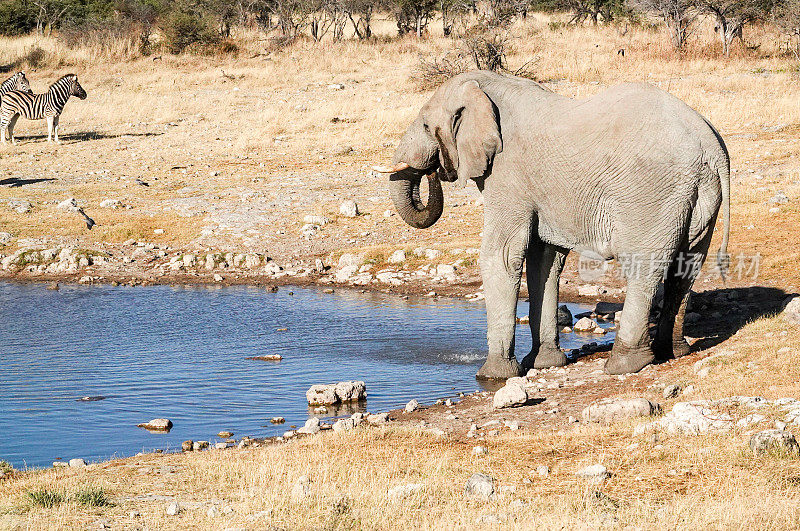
(55,129)
(11,124)
(49,128)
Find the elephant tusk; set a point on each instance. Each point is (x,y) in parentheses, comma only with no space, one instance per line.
(386,169)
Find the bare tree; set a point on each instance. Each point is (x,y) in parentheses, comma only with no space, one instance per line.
(732,15)
(360,14)
(787,17)
(678,15)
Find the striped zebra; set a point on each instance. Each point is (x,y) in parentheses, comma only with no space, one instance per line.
(16,82)
(38,106)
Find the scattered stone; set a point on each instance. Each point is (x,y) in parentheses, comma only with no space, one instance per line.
(110,203)
(156,425)
(397,257)
(187,446)
(68,204)
(479,486)
(597,471)
(778,199)
(543,471)
(5,238)
(401,492)
(225,434)
(324,395)
(311,426)
(564,316)
(77,462)
(316,220)
(173,508)
(266,357)
(791,309)
(277,420)
(301,489)
(222,445)
(199,445)
(480,450)
(671,391)
(584,324)
(349,209)
(342,425)
(691,418)
(512,394)
(378,418)
(412,405)
(774,442)
(610,409)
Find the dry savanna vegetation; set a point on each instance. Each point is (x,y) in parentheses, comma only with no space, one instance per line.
(238,146)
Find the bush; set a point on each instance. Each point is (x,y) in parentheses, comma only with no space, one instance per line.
(35,57)
(92,497)
(17,17)
(182,30)
(45,498)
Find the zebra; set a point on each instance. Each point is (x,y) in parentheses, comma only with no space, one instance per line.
(38,106)
(16,82)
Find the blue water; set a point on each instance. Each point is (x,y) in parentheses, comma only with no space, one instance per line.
(179,353)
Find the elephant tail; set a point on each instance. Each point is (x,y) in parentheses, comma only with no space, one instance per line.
(723,168)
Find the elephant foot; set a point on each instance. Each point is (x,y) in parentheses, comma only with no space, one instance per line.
(671,349)
(546,356)
(626,360)
(499,368)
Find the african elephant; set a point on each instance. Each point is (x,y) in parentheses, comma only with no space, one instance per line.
(630,172)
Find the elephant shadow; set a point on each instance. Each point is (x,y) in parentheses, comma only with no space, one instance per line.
(713,317)
(723,312)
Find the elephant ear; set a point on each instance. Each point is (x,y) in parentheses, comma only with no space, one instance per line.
(477,133)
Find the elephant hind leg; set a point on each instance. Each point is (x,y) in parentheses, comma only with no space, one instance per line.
(544,265)
(632,351)
(670,341)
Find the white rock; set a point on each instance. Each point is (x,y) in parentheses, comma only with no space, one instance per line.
(349,209)
(585,324)
(173,508)
(400,492)
(301,489)
(510,395)
(77,462)
(68,204)
(316,220)
(412,405)
(480,450)
(397,257)
(311,426)
(110,203)
(342,425)
(156,425)
(597,471)
(775,442)
(543,471)
(479,486)
(323,395)
(610,410)
(791,309)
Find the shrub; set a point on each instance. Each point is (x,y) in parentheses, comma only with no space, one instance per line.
(35,57)
(5,467)
(45,498)
(182,30)
(92,497)
(17,17)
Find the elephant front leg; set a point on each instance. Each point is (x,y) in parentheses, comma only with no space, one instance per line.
(544,265)
(502,256)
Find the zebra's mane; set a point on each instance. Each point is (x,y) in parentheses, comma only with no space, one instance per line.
(61,80)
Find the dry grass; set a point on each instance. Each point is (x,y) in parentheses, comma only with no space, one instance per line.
(701,482)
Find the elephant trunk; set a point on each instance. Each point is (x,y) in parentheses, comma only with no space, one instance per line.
(404,191)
